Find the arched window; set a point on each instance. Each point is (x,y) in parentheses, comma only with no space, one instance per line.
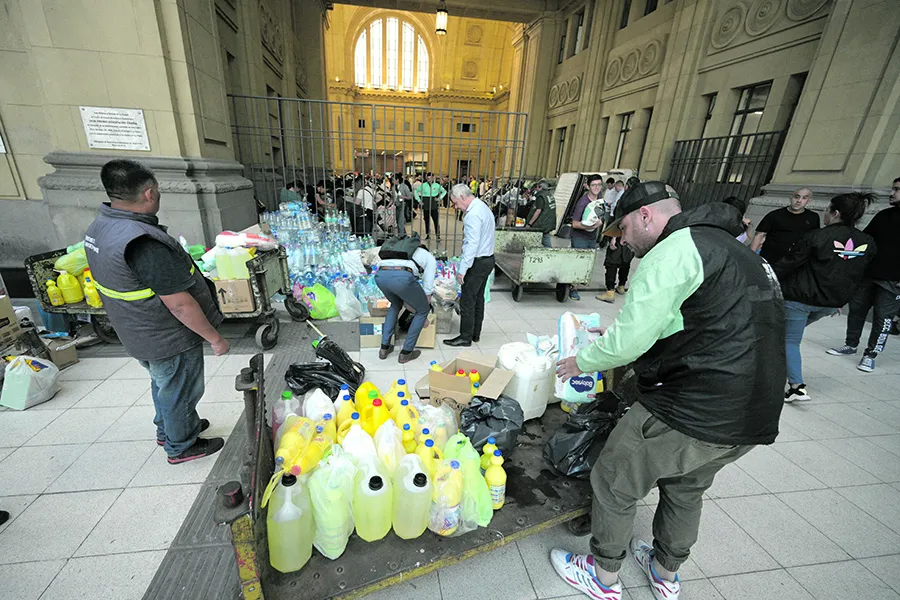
(389,53)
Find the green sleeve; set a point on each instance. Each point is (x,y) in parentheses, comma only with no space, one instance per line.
(664,279)
(443,193)
(416,193)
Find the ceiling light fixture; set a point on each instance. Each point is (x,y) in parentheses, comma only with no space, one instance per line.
(440,27)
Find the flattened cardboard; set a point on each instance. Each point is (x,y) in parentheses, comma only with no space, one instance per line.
(445,387)
(428,335)
(370,329)
(235,296)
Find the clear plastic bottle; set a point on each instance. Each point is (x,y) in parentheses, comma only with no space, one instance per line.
(412,498)
(290,525)
(372,500)
(283,407)
(446,499)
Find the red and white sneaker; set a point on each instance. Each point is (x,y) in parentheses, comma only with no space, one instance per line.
(662,589)
(578,571)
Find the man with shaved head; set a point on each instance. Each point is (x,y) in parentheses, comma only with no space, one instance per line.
(779,229)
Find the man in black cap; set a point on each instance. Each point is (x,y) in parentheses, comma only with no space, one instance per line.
(703,324)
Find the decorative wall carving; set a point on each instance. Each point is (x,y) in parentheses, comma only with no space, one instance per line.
(470,69)
(474,35)
(300,75)
(636,64)
(755,18)
(271,32)
(566,92)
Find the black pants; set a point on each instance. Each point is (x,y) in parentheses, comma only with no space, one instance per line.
(622,270)
(431,212)
(471,302)
(883,298)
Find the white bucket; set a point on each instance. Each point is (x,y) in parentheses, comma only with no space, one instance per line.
(532,384)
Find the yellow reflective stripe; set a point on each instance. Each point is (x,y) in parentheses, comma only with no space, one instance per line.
(127,296)
(192,268)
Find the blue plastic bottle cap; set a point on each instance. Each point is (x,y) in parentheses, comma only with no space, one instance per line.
(476,385)
(404,402)
(454,464)
(355,416)
(497,453)
(400,394)
(327,416)
(401,382)
(345,387)
(492,440)
(426,431)
(347,397)
(434,362)
(429,443)
(406,427)
(319,429)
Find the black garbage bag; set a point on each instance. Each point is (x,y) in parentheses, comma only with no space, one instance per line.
(344,365)
(303,377)
(501,419)
(575,446)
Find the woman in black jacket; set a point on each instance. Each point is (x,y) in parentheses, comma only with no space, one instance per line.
(819,274)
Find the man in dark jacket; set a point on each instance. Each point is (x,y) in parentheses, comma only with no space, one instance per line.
(543,215)
(158,302)
(819,275)
(879,290)
(704,325)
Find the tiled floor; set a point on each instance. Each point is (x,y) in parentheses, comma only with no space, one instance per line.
(817,515)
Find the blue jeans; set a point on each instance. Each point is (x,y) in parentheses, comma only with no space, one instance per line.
(400,287)
(583,244)
(796,317)
(547,240)
(177,384)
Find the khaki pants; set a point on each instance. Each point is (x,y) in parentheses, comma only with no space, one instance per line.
(643,452)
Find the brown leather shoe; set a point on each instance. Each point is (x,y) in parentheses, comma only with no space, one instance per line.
(384,352)
(406,357)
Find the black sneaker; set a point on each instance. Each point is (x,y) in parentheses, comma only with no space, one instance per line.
(4,517)
(204,425)
(796,393)
(895,328)
(201,448)
(580,525)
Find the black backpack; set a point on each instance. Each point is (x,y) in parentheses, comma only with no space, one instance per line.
(401,247)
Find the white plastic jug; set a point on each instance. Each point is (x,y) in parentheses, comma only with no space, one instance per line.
(290,525)
(412,498)
(532,384)
(373,499)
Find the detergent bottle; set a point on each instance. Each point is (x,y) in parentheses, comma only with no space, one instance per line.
(446,499)
(330,427)
(91,295)
(380,415)
(362,393)
(424,434)
(293,443)
(224,266)
(290,525)
(345,409)
(496,480)
(435,367)
(461,373)
(239,257)
(412,498)
(475,376)
(70,288)
(389,445)
(475,388)
(372,500)
(344,429)
(487,453)
(345,391)
(409,439)
(430,454)
(358,443)
(314,452)
(53,293)
(406,413)
(284,406)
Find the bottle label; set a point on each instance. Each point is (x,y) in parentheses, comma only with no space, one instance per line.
(445,519)
(498,494)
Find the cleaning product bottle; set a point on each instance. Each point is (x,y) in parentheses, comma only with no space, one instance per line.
(406,413)
(412,498)
(475,388)
(389,446)
(293,443)
(290,525)
(380,415)
(330,427)
(314,452)
(224,267)
(53,293)
(496,480)
(70,288)
(345,391)
(475,376)
(284,406)
(403,387)
(430,455)
(362,393)
(90,292)
(364,405)
(358,443)
(446,498)
(239,257)
(461,373)
(409,439)
(344,429)
(372,500)
(345,409)
(424,434)
(487,453)
(435,367)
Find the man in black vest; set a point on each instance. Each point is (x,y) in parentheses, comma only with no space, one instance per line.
(160,305)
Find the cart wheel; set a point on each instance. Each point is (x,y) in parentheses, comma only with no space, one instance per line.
(562,291)
(517,292)
(267,336)
(104,329)
(297,310)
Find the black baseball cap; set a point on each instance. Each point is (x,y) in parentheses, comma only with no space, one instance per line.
(641,194)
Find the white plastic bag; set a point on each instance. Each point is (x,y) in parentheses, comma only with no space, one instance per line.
(346,301)
(352,262)
(316,404)
(573,336)
(331,495)
(389,446)
(29,381)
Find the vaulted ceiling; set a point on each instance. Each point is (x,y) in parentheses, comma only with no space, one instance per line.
(521,11)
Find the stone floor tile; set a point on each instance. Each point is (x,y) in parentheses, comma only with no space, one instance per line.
(765,585)
(115,392)
(136,423)
(838,581)
(866,454)
(77,426)
(879,501)
(535,551)
(426,586)
(882,411)
(723,548)
(17,427)
(69,394)
(803,417)
(823,464)
(476,579)
(15,505)
(886,568)
(131,370)
(29,470)
(103,466)
(856,421)
(27,581)
(221,389)
(775,472)
(786,433)
(696,589)
(891,443)
(93,368)
(124,577)
(156,471)
(231,365)
(733,481)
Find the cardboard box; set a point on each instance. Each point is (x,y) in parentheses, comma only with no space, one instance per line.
(439,388)
(235,296)
(379,307)
(63,352)
(370,329)
(9,324)
(428,335)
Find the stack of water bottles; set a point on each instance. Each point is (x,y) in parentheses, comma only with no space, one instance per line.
(372,462)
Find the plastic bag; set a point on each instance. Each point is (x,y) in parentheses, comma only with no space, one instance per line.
(74,262)
(331,495)
(487,288)
(351,262)
(476,505)
(446,506)
(316,404)
(29,381)
(574,336)
(347,303)
(501,419)
(389,446)
(320,301)
(575,446)
(302,377)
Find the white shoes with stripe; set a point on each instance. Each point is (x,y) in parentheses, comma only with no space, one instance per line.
(578,571)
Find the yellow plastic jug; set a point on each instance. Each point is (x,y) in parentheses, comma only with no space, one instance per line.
(409,439)
(372,500)
(346,409)
(362,392)
(330,427)
(346,425)
(446,498)
(430,454)
(461,373)
(487,453)
(435,367)
(53,293)
(475,388)
(91,294)
(293,443)
(314,452)
(475,376)
(412,498)
(496,480)
(70,288)
(290,525)
(380,416)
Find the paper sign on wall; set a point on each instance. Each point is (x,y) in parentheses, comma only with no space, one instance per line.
(115,128)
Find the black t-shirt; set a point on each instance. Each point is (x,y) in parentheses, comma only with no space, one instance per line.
(885,228)
(782,229)
(159,267)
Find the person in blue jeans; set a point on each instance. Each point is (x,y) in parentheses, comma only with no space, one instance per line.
(819,274)
(398,279)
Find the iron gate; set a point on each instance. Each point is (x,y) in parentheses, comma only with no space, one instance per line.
(711,169)
(280,140)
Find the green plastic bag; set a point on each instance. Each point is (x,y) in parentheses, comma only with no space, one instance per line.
(320,301)
(476,504)
(73,263)
(331,495)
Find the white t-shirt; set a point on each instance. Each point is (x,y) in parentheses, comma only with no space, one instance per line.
(365,197)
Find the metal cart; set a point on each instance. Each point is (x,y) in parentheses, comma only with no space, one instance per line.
(268,275)
(521,256)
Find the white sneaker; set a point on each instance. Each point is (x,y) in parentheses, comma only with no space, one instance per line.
(796,393)
(662,589)
(578,571)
